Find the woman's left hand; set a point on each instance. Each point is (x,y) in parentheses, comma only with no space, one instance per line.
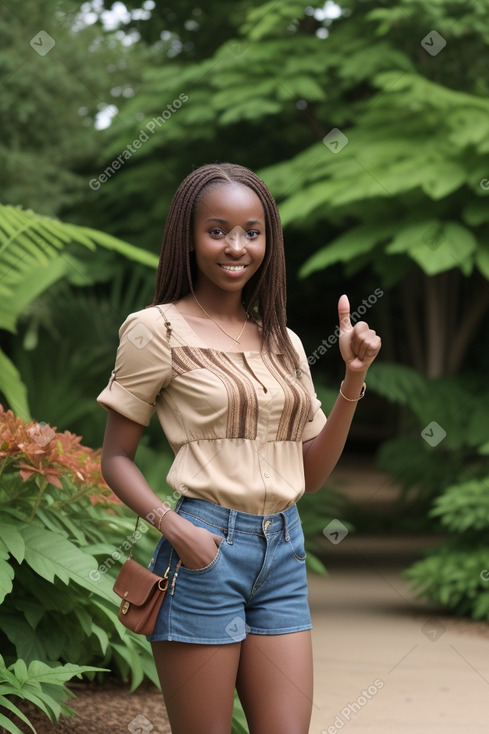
(359,345)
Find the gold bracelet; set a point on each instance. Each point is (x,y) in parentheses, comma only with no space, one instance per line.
(355,400)
(161,517)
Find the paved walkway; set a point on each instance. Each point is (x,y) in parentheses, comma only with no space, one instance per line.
(383,662)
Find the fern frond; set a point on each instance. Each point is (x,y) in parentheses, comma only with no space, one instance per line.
(35,252)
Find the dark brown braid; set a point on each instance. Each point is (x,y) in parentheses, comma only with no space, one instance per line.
(264,295)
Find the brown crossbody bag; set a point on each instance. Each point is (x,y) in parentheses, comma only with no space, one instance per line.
(142,593)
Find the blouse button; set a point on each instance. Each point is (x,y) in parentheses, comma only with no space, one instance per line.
(267,475)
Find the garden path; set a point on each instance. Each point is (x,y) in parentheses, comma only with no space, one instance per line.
(384,661)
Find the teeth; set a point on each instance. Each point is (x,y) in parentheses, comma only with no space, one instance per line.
(233,267)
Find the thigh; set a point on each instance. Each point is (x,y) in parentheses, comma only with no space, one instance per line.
(275,682)
(198,684)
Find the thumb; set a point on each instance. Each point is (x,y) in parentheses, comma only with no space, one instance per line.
(344,314)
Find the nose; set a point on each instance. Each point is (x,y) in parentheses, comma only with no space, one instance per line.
(236,240)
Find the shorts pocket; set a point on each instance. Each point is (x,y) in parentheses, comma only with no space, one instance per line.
(296,542)
(199,523)
(205,569)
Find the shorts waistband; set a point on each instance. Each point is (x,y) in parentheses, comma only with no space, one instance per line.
(230,521)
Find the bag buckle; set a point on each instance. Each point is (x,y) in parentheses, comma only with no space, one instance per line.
(163,584)
(125,607)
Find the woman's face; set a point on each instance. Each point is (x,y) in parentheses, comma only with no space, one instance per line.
(229,236)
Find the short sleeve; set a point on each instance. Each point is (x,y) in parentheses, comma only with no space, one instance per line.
(317,418)
(142,367)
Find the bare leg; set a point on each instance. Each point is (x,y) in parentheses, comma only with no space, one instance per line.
(275,682)
(198,684)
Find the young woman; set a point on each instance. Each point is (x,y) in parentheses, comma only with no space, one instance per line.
(233,393)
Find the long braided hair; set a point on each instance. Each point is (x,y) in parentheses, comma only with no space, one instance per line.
(264,294)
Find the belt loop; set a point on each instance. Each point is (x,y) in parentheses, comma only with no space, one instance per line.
(231,524)
(286,528)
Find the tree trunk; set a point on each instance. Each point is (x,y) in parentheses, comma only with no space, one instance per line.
(441,320)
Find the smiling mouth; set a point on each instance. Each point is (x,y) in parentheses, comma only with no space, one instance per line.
(233,267)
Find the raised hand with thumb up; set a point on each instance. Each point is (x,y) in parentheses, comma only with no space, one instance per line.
(359,345)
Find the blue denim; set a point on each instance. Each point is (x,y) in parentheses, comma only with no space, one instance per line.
(255,584)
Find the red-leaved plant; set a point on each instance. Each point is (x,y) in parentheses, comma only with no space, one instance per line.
(37,453)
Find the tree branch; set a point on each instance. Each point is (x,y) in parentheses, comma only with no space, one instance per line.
(436,334)
(410,292)
(467,328)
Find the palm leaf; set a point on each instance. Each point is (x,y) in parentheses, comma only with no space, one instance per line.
(12,387)
(31,244)
(8,724)
(35,252)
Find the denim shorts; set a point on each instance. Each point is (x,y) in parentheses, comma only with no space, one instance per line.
(255,584)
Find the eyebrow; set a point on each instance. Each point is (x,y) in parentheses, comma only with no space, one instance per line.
(249,223)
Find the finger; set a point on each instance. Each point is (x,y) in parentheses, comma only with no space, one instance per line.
(358,348)
(363,350)
(375,347)
(344,313)
(361,327)
(360,334)
(366,345)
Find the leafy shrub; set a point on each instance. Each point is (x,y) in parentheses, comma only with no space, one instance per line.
(458,406)
(316,511)
(457,574)
(39,684)
(61,533)
(448,477)
(36,252)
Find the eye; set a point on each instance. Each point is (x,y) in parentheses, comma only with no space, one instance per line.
(216,232)
(252,234)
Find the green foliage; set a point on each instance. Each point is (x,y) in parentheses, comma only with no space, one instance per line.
(49,102)
(240,725)
(398,383)
(59,553)
(316,511)
(63,536)
(401,205)
(35,253)
(464,507)
(62,390)
(39,684)
(458,407)
(183,29)
(457,574)
(447,479)
(456,577)
(406,207)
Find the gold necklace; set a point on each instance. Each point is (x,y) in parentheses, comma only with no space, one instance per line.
(235,339)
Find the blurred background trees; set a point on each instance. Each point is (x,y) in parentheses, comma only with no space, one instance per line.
(369,123)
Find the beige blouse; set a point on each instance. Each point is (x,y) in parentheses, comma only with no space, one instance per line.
(235,420)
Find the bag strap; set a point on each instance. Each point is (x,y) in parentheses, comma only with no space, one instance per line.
(133,540)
